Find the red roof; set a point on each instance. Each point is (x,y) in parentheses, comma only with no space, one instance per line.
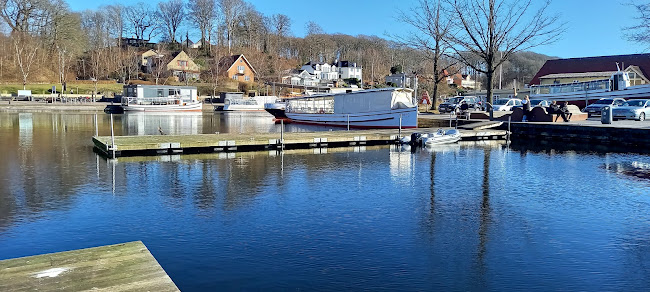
(593,64)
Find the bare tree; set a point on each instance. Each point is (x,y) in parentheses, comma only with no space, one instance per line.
(116,14)
(171,14)
(487,28)
(23,15)
(26,48)
(434,27)
(281,25)
(143,20)
(231,10)
(203,12)
(640,33)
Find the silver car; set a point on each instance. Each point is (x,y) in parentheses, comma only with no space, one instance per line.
(637,109)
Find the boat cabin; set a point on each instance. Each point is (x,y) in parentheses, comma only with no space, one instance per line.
(159,94)
(373,100)
(618,81)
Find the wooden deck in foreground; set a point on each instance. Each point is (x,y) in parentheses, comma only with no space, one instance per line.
(121,267)
(228,142)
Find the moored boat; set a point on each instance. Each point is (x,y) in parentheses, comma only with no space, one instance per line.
(276,109)
(160,98)
(583,93)
(255,103)
(374,108)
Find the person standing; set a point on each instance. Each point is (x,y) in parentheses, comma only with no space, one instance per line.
(526,106)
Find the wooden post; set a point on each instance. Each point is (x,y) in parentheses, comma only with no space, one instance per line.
(400,126)
(112,137)
(348,122)
(96,129)
(282,134)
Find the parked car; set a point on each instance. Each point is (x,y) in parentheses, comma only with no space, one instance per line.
(596,107)
(637,109)
(506,104)
(536,102)
(454,103)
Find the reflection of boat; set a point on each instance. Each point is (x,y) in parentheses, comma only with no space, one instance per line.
(254,103)
(375,108)
(618,85)
(160,98)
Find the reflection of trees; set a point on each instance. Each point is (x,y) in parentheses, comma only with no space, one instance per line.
(46,173)
(484,216)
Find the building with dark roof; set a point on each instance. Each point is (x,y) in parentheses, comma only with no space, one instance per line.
(593,68)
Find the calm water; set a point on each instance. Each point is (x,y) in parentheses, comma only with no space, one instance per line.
(468,217)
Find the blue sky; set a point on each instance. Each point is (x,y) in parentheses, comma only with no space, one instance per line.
(594,27)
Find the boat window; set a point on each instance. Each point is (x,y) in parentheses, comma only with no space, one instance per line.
(637,103)
(172,92)
(161,92)
(620,102)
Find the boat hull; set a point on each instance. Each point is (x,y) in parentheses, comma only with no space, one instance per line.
(163,108)
(634,92)
(278,113)
(371,120)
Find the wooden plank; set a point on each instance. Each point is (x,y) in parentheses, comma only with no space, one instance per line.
(120,267)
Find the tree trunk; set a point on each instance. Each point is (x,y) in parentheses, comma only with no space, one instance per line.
(490,75)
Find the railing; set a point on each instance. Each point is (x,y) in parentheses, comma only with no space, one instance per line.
(570,87)
(154,100)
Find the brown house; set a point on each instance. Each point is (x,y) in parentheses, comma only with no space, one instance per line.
(237,67)
(183,67)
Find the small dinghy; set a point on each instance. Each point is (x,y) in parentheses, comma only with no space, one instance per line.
(441,137)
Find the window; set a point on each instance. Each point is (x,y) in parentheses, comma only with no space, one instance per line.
(240,68)
(171,92)
(161,92)
(234,77)
(182,63)
(247,78)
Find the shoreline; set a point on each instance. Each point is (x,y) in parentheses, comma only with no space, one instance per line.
(41,107)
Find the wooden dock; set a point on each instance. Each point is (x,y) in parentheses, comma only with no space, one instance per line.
(208,143)
(121,267)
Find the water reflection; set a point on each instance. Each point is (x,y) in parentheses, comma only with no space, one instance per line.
(445,218)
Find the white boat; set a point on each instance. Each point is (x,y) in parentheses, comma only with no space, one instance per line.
(617,86)
(374,108)
(255,103)
(441,137)
(160,98)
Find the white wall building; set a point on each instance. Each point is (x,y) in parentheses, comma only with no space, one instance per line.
(349,70)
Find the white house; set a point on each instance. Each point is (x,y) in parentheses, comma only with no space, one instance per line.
(349,70)
(301,77)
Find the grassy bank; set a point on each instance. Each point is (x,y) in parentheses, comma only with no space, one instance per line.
(80,88)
